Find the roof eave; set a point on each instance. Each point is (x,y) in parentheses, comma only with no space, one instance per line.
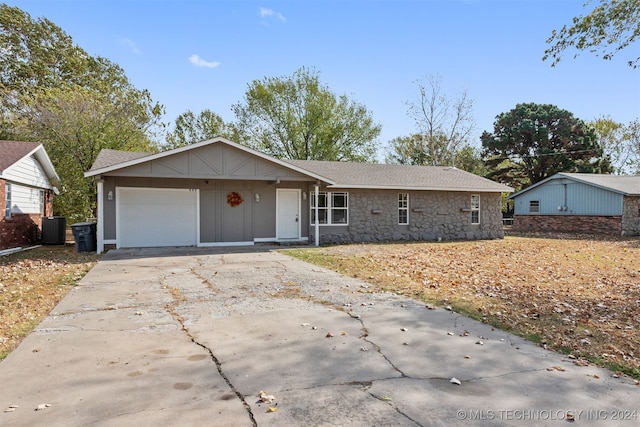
(505,189)
(152,157)
(42,157)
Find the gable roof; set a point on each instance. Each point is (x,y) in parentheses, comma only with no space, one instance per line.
(334,174)
(402,177)
(114,159)
(11,152)
(626,185)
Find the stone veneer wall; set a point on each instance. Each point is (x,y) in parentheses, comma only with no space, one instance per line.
(433,215)
(568,224)
(631,216)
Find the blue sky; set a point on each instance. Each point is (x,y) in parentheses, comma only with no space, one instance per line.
(197,54)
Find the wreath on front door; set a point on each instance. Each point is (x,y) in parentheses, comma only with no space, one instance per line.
(234,199)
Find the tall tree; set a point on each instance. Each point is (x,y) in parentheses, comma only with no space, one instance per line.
(189,129)
(632,132)
(75,124)
(540,140)
(616,141)
(608,28)
(444,124)
(53,92)
(296,117)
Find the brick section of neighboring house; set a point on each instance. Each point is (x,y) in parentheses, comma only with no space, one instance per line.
(568,224)
(22,229)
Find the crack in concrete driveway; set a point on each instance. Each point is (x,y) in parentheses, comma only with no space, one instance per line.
(137,342)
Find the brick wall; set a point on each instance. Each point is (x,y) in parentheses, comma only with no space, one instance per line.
(19,230)
(568,224)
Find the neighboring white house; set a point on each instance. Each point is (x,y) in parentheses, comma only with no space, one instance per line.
(26,190)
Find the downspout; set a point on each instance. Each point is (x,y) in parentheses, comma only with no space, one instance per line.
(100,214)
(316,189)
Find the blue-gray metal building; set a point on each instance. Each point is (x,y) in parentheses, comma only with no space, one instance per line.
(580,202)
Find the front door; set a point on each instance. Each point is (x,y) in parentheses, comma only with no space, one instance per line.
(287,213)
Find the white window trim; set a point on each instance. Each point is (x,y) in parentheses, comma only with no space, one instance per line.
(329,208)
(405,208)
(42,201)
(475,209)
(7,200)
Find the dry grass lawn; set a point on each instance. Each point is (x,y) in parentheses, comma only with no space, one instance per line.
(31,285)
(580,296)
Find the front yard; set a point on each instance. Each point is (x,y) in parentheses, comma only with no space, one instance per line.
(579,296)
(32,283)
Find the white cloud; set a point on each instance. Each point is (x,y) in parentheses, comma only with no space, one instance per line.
(131,45)
(199,62)
(267,13)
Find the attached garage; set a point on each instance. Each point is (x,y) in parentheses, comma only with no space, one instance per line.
(219,193)
(150,217)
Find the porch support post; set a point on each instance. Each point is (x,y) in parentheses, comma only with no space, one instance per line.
(100,215)
(316,189)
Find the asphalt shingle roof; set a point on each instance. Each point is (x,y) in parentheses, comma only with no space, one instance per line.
(108,157)
(629,185)
(12,151)
(368,175)
(346,174)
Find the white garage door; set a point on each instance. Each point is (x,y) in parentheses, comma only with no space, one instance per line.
(150,217)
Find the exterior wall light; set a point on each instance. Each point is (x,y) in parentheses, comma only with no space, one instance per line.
(257,198)
(110,195)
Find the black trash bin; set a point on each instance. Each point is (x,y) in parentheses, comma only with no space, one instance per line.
(54,230)
(84,234)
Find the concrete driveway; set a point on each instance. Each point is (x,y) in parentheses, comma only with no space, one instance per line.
(191,337)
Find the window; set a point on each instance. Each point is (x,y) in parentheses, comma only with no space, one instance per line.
(333,208)
(42,204)
(7,203)
(403,208)
(475,209)
(534,206)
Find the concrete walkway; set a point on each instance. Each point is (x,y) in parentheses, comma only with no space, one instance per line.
(191,337)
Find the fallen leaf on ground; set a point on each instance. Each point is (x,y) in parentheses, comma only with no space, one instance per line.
(266,398)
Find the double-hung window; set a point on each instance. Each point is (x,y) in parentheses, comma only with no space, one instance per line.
(403,208)
(475,209)
(7,202)
(333,208)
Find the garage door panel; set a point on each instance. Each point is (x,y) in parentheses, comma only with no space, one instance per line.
(149,217)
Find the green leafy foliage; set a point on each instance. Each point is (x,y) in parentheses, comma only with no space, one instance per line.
(190,129)
(607,29)
(53,92)
(296,117)
(617,141)
(535,141)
